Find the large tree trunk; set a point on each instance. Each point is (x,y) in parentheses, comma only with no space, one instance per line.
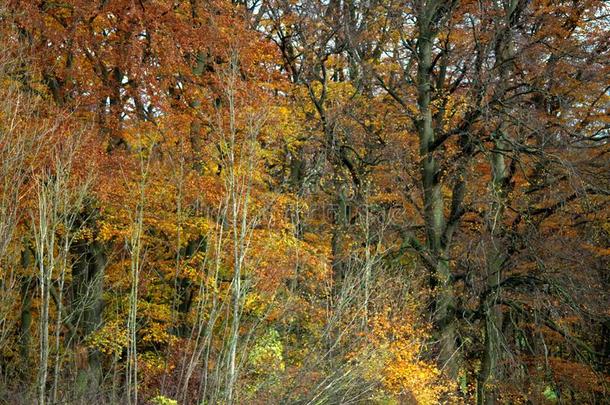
(496,257)
(433,199)
(87,304)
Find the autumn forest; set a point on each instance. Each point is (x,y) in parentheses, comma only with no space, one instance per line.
(304,202)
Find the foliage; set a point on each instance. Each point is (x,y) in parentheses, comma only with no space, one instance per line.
(304,201)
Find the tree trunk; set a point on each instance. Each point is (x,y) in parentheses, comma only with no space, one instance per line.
(87,304)
(26,309)
(93,312)
(433,199)
(491,372)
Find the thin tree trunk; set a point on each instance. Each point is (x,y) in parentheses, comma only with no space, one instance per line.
(26,309)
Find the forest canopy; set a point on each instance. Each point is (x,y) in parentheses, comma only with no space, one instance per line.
(304,202)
